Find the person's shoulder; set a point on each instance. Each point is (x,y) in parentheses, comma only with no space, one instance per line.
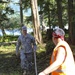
(29,35)
(20,36)
(65,43)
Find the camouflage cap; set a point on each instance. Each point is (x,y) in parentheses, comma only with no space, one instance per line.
(24,28)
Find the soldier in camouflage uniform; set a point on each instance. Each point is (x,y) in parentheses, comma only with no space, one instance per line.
(25,45)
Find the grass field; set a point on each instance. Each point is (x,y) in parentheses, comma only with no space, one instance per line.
(10,65)
(8,62)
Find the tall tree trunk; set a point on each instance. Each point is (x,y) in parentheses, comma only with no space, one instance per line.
(1,27)
(70,14)
(36,21)
(3,32)
(59,12)
(49,17)
(21,13)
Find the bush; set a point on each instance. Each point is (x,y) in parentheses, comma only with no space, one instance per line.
(8,38)
(49,47)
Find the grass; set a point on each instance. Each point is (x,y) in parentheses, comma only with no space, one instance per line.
(10,65)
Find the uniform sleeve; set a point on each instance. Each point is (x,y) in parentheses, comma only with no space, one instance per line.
(34,44)
(18,45)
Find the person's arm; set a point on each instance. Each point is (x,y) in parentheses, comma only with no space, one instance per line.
(59,60)
(17,46)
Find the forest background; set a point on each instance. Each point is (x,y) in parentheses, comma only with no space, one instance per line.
(39,15)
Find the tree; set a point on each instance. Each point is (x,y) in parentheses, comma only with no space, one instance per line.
(71,23)
(21,13)
(36,21)
(59,13)
(4,10)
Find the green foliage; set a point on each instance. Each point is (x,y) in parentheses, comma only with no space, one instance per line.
(9,65)
(45,49)
(9,38)
(5,11)
(26,4)
(9,10)
(49,46)
(14,22)
(1,6)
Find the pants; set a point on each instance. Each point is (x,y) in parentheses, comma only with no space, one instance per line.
(26,60)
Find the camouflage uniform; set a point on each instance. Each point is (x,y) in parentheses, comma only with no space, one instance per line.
(26,44)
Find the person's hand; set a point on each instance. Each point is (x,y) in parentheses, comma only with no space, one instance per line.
(41,73)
